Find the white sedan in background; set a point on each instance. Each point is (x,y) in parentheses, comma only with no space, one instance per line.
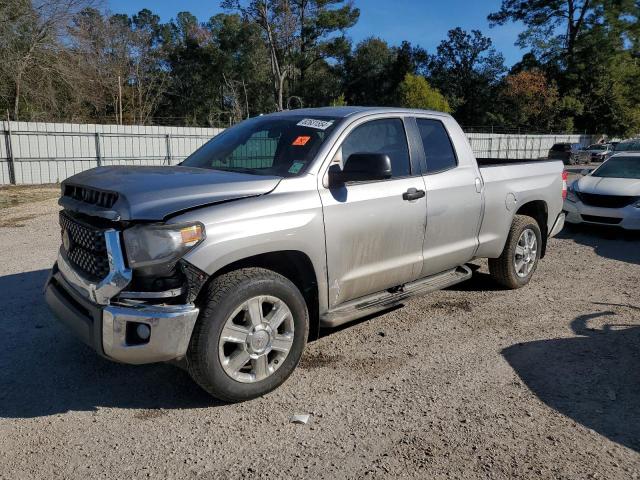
(610,195)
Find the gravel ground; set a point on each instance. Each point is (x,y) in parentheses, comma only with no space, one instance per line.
(471,382)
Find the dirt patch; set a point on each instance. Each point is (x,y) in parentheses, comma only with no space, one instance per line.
(312,360)
(12,196)
(149,414)
(452,305)
(373,365)
(16,222)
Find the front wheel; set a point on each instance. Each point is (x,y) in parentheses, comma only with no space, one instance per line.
(519,260)
(250,335)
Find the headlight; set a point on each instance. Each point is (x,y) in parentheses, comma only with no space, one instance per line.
(156,244)
(571,193)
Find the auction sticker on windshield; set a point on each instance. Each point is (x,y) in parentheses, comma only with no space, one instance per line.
(301,141)
(317,124)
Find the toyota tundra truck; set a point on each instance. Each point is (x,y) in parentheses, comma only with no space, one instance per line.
(229,263)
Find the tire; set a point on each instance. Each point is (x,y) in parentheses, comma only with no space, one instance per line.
(504,269)
(230,302)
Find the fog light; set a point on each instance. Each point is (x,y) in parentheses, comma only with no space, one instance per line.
(143,331)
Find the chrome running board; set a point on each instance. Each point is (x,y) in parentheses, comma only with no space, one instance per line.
(361,307)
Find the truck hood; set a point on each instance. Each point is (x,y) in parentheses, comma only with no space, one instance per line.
(154,193)
(626,187)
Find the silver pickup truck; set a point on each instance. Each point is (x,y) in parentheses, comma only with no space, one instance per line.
(229,263)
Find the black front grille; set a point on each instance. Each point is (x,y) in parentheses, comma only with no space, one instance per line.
(606,220)
(85,246)
(605,201)
(91,196)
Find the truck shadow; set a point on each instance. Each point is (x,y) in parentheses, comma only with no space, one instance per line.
(592,378)
(45,370)
(607,242)
(479,282)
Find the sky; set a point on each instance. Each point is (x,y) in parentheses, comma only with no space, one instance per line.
(422,22)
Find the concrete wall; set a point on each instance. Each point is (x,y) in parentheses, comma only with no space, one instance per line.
(51,152)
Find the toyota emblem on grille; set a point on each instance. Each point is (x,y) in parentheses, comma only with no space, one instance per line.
(66,240)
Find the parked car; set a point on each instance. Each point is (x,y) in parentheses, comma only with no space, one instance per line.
(632,145)
(594,153)
(284,224)
(610,195)
(568,153)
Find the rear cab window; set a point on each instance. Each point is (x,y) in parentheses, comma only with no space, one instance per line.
(438,148)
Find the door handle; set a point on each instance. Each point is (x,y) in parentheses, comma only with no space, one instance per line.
(413,194)
(478,185)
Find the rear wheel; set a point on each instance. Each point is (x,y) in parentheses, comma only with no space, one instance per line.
(250,334)
(519,259)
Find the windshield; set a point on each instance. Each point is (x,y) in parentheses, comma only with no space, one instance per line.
(619,167)
(631,146)
(274,146)
(597,147)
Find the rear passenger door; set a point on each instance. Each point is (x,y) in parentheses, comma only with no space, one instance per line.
(454,200)
(374,232)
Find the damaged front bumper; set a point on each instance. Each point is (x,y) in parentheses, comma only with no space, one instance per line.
(112,327)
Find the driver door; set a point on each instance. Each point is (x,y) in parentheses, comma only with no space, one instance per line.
(374,235)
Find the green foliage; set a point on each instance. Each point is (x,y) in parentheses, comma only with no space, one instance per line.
(298,34)
(375,70)
(467,69)
(340,101)
(415,92)
(68,61)
(590,47)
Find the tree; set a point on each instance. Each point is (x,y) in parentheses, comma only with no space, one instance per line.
(278,23)
(553,26)
(240,56)
(31,34)
(322,31)
(297,33)
(366,73)
(467,70)
(529,101)
(375,70)
(612,101)
(415,92)
(148,77)
(117,64)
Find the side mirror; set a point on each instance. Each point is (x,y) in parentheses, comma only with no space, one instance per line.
(585,172)
(361,167)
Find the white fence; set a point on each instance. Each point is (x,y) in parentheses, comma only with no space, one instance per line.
(520,146)
(37,153)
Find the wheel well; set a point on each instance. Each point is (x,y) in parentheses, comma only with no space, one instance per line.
(539,212)
(294,265)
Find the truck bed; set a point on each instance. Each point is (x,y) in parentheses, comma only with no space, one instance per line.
(510,184)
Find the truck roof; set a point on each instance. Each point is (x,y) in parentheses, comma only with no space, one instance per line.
(343,112)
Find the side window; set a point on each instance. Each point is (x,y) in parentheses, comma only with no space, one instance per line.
(381,136)
(437,145)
